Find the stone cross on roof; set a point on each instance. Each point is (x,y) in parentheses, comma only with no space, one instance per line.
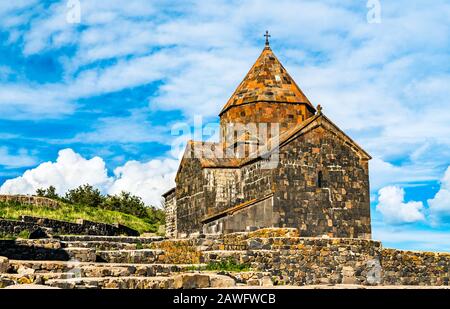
(319,109)
(267,35)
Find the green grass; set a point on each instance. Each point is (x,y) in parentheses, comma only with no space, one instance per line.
(8,237)
(71,213)
(227,265)
(25,234)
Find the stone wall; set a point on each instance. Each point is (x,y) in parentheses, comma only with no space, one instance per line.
(286,115)
(320,186)
(170,209)
(190,196)
(32,251)
(83,227)
(259,214)
(44,250)
(14,227)
(337,205)
(29,200)
(278,253)
(222,189)
(307,261)
(415,268)
(297,260)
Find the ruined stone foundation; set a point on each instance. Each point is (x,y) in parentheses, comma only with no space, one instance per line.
(267,257)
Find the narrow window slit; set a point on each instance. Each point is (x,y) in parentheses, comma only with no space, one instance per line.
(320,179)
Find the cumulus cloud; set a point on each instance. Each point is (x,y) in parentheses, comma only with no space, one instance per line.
(392,206)
(440,204)
(147,180)
(69,171)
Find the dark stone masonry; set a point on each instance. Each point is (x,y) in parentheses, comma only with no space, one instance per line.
(57,227)
(319,182)
(273,257)
(295,213)
(29,200)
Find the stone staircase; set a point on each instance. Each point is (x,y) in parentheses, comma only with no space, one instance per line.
(266,257)
(96,262)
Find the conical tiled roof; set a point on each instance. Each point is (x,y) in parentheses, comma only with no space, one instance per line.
(267,81)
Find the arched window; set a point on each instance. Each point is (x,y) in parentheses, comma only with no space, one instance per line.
(320,179)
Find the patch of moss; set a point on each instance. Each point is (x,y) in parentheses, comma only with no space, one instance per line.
(228,265)
(25,234)
(7,237)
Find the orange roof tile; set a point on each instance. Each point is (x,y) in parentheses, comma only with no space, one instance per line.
(267,81)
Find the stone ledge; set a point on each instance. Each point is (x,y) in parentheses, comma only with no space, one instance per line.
(113,283)
(144,256)
(124,239)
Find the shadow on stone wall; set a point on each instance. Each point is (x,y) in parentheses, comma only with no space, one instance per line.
(58,227)
(14,251)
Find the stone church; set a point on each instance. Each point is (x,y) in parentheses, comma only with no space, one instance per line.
(319,183)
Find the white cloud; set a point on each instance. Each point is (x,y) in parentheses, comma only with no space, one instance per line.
(15,13)
(134,128)
(440,204)
(386,84)
(33,102)
(148,180)
(392,206)
(22,159)
(69,171)
(408,237)
(384,173)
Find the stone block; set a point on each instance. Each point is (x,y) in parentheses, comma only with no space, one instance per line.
(5,282)
(266,281)
(24,271)
(191,281)
(219,281)
(4,264)
(348,275)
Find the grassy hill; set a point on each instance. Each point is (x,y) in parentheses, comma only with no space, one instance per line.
(71,212)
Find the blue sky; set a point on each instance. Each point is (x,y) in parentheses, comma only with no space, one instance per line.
(95,101)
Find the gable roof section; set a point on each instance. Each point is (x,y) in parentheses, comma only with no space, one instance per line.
(204,152)
(319,120)
(267,81)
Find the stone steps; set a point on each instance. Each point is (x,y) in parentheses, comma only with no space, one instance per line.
(113,283)
(86,269)
(39,276)
(87,275)
(122,239)
(81,254)
(180,281)
(237,256)
(100,245)
(293,243)
(144,256)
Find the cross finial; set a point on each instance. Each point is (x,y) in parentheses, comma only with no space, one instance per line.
(319,109)
(267,35)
